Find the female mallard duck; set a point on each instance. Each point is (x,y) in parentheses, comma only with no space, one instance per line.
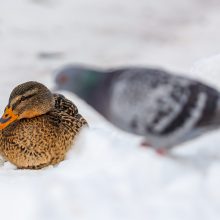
(38,127)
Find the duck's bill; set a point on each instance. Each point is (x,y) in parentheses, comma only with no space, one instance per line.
(7,118)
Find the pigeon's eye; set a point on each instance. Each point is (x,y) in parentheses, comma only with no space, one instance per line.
(62,79)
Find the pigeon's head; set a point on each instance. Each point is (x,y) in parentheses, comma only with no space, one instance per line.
(77,79)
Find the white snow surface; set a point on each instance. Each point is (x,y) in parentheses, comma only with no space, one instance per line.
(107,175)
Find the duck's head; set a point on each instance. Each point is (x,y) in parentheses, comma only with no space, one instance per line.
(80,80)
(27,100)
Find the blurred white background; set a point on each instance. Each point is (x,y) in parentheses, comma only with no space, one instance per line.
(39,35)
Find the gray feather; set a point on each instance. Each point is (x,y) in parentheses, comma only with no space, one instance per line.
(164,108)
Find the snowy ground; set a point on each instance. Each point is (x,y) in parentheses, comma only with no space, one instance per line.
(107,175)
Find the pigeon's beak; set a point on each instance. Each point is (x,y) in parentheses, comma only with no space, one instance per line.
(7,118)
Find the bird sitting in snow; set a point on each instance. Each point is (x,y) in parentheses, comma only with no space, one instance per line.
(166,109)
(38,127)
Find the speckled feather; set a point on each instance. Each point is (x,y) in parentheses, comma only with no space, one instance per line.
(43,140)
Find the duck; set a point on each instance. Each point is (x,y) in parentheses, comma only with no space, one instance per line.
(38,127)
(165,108)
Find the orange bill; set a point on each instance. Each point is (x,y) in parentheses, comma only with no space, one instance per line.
(7,118)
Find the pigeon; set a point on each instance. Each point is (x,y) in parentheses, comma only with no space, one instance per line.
(166,109)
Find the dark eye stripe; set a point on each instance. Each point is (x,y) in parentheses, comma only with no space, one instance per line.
(21,99)
(15,104)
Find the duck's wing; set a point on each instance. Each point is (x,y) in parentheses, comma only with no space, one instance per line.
(148,101)
(65,105)
(66,112)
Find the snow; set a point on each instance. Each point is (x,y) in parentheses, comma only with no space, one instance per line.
(107,175)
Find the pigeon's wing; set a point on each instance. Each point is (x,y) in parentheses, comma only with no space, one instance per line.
(147,101)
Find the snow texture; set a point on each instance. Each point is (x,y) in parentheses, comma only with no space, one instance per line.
(107,175)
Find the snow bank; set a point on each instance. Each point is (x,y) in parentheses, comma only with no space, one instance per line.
(107,175)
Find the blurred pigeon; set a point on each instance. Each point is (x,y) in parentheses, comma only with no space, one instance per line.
(166,109)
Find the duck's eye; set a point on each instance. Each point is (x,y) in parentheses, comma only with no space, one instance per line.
(23,98)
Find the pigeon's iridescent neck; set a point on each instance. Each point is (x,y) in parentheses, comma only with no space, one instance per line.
(91,81)
(95,90)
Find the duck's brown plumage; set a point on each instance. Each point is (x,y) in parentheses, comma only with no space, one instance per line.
(43,140)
